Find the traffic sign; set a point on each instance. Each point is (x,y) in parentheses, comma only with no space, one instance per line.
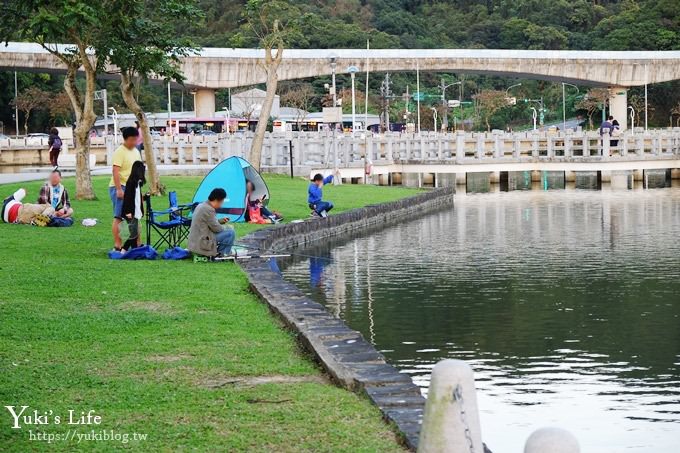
(418,96)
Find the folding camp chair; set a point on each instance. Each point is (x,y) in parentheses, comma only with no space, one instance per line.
(172,231)
(180,212)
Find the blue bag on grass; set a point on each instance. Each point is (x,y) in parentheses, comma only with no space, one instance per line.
(60,222)
(144,252)
(176,253)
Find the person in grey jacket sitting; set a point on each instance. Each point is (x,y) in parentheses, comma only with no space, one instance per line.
(207,236)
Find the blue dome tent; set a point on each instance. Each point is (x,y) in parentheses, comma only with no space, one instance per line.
(231,175)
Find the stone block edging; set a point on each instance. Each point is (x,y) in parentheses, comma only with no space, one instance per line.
(344,354)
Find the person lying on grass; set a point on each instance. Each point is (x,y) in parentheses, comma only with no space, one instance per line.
(14,211)
(207,236)
(256,211)
(319,207)
(54,193)
(132,204)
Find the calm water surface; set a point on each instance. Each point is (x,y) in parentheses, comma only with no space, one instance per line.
(565,303)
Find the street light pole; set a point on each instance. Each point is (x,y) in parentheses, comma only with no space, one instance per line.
(418,83)
(335,96)
(16,107)
(114,115)
(445,121)
(434,114)
(353,70)
(564,103)
(226,109)
(534,115)
(170,111)
(632,118)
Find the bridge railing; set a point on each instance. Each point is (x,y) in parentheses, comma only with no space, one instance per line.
(344,150)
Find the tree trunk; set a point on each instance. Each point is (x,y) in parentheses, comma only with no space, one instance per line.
(85,118)
(127,89)
(271,66)
(27,115)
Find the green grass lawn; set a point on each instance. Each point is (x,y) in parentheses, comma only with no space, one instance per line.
(180,352)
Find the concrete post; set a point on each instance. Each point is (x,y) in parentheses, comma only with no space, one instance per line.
(605,146)
(618,105)
(480,146)
(109,150)
(460,146)
(195,158)
(204,103)
(451,419)
(517,148)
(181,158)
(567,145)
(551,440)
(209,145)
(166,153)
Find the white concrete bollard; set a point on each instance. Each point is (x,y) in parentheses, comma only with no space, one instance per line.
(551,440)
(451,419)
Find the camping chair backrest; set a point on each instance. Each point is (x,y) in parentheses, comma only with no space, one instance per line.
(173,204)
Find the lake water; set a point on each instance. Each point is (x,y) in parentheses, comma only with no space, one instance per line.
(565,303)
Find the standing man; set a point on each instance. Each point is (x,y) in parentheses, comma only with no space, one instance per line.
(207,236)
(123,158)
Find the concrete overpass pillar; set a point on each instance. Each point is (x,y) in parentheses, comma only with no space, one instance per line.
(204,103)
(618,105)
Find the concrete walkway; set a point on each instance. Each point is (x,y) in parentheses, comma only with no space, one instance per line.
(39,174)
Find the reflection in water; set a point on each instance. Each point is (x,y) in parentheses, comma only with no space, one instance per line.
(565,303)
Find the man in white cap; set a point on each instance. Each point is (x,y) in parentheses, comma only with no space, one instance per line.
(14,211)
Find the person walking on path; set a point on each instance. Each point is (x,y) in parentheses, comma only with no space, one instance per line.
(55,147)
(123,159)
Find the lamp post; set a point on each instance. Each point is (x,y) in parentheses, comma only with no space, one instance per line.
(632,118)
(353,70)
(114,115)
(534,114)
(333,59)
(507,90)
(16,107)
(443,87)
(564,103)
(102,95)
(434,114)
(228,113)
(169,110)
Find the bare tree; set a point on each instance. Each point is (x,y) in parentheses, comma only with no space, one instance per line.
(29,100)
(247,103)
(274,23)
(299,97)
(595,98)
(490,102)
(60,109)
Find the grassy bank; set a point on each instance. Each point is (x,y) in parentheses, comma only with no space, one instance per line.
(180,352)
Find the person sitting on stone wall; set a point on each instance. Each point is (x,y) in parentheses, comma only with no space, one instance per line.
(14,211)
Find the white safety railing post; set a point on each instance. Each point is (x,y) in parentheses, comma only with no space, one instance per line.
(451,419)
(551,440)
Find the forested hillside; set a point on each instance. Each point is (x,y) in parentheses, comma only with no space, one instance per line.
(504,24)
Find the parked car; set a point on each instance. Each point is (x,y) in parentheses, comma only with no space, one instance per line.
(37,139)
(207,132)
